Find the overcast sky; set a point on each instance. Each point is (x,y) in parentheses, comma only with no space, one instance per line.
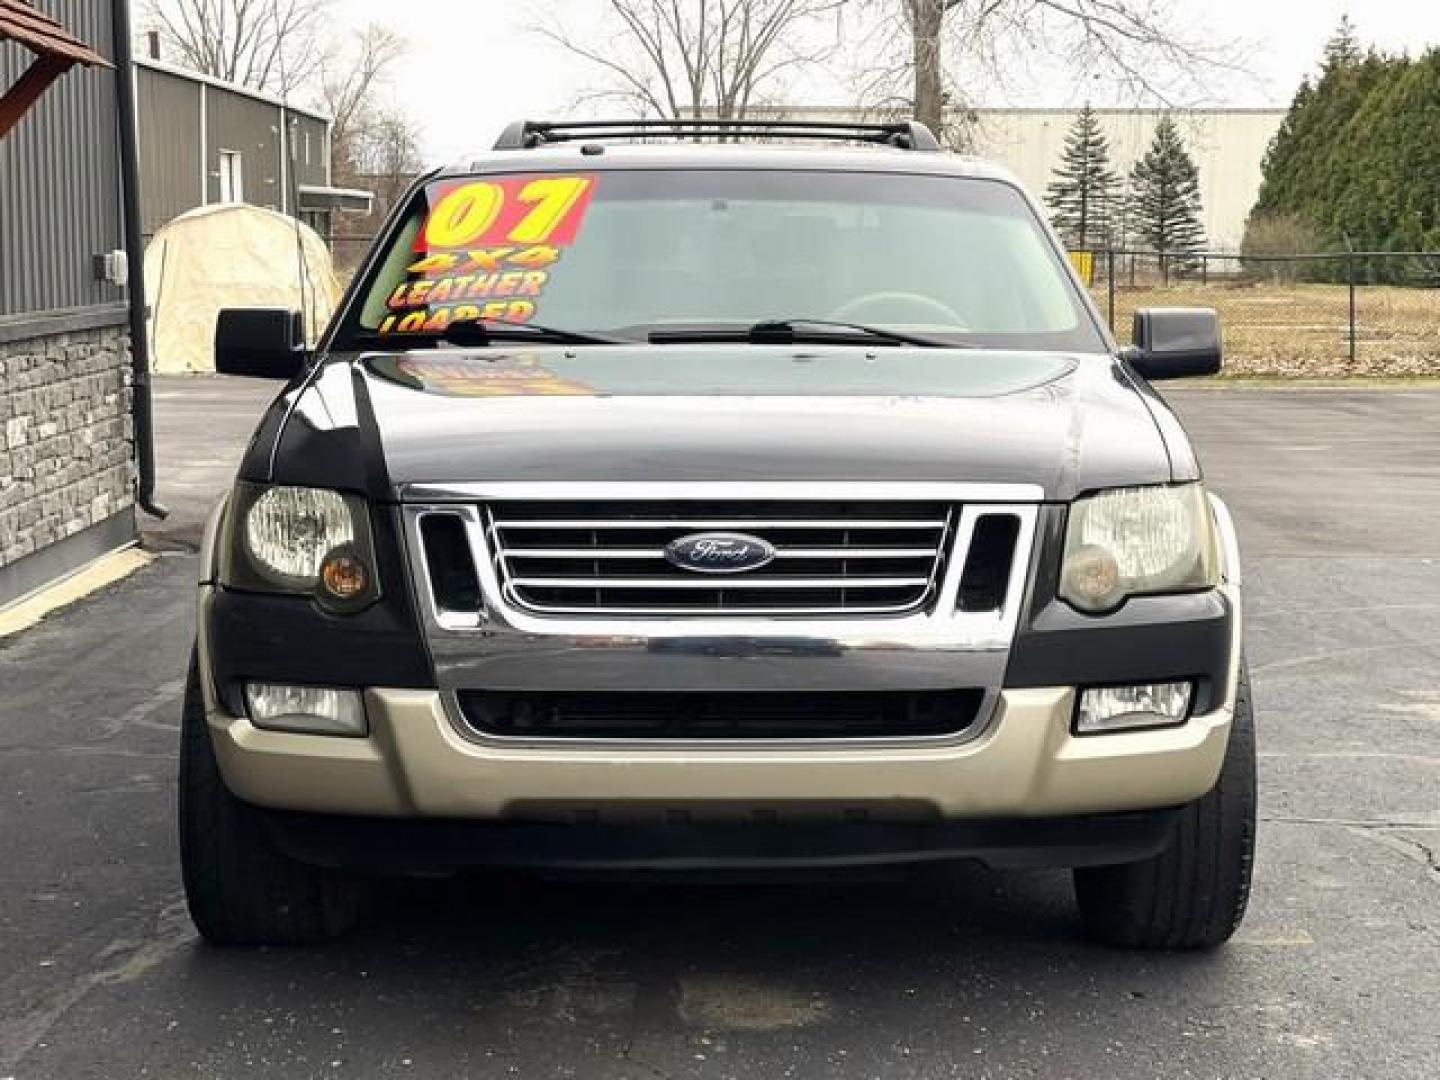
(474,64)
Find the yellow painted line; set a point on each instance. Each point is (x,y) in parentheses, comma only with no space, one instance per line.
(104,571)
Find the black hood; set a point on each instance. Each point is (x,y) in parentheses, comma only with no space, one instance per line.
(727,412)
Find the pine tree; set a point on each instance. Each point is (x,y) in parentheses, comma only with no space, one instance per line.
(1343,49)
(1082,195)
(1386,160)
(1314,163)
(1165,197)
(1356,161)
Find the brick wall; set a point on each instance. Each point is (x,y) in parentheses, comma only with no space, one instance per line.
(65,437)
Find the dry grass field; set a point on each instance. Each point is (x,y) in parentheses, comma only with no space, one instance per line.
(1297,330)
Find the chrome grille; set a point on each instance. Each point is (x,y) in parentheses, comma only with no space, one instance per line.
(608,556)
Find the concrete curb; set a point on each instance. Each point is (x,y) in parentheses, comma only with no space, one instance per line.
(90,578)
(1282,383)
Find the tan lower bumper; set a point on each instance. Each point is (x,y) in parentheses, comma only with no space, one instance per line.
(414,764)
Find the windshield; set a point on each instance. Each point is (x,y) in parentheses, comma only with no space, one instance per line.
(629,254)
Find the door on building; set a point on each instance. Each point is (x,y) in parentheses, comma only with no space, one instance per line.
(232,177)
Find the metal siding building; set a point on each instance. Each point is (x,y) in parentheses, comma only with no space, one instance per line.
(1228,146)
(59,180)
(251,129)
(66,436)
(173,173)
(203,141)
(311,135)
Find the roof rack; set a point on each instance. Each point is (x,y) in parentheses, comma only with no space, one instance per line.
(529,134)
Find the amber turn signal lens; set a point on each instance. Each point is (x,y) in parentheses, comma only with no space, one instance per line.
(1091,578)
(344,576)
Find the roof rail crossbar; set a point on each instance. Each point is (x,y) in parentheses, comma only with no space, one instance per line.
(528,134)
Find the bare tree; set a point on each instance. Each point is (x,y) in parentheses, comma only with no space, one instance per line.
(269,45)
(373,143)
(677,58)
(382,156)
(1139,43)
(387,154)
(353,81)
(925,20)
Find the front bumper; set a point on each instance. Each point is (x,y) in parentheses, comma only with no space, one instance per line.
(396,846)
(1021,762)
(416,764)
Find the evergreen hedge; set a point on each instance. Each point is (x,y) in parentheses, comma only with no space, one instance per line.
(1357,160)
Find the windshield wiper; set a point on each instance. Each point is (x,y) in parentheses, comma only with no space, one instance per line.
(879,333)
(475,332)
(483,331)
(788,331)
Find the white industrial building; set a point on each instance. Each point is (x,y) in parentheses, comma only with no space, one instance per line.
(1228,146)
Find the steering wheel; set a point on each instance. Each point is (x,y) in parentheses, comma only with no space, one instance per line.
(902,308)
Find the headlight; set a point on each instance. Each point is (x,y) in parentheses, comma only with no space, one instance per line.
(301,540)
(290,530)
(1137,541)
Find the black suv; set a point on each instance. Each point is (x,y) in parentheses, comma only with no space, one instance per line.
(672,503)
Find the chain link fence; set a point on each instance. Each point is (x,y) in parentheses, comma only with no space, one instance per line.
(1327,315)
(349,252)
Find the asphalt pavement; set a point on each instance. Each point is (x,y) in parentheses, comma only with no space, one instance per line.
(952,973)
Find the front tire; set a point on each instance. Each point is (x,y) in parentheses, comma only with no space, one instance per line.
(241,889)
(1193,894)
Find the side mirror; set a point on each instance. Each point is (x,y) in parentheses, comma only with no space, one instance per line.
(1176,343)
(264,343)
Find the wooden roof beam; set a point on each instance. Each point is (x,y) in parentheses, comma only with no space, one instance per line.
(27,89)
(42,35)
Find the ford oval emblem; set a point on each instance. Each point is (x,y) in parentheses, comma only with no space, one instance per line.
(719,553)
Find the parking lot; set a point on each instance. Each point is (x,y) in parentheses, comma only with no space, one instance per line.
(954,972)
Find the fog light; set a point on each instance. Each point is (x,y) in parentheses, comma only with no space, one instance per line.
(1128,708)
(310,710)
